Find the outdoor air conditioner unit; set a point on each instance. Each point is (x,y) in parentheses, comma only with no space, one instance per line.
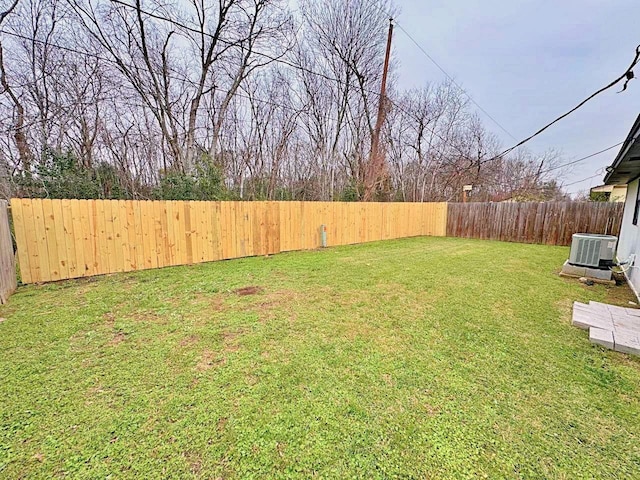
(593,250)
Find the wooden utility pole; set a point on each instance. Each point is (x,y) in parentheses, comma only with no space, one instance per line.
(376,166)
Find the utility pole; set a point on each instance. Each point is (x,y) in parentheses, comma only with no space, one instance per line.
(376,164)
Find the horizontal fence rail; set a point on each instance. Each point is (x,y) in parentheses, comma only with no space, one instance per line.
(550,223)
(60,239)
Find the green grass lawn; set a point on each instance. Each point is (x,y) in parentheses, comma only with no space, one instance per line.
(416,358)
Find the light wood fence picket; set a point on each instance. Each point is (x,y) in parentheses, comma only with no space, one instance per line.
(60,239)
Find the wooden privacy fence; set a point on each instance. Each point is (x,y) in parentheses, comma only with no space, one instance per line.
(59,239)
(532,222)
(8,281)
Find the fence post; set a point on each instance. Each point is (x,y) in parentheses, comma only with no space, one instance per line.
(8,280)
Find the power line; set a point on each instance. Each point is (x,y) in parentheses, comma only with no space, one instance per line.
(582,159)
(451,79)
(539,188)
(573,162)
(281,60)
(110,60)
(327,77)
(580,181)
(533,176)
(628,75)
(259,100)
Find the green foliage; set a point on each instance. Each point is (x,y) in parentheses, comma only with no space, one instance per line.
(256,188)
(599,196)
(205,183)
(176,186)
(352,192)
(416,358)
(61,175)
(283,194)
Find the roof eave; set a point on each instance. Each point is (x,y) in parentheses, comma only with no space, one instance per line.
(622,171)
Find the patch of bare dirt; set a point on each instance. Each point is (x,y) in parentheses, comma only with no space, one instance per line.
(209,359)
(275,303)
(229,341)
(149,317)
(430,409)
(222,423)
(195,462)
(278,298)
(251,290)
(109,319)
(117,338)
(620,295)
(189,340)
(214,301)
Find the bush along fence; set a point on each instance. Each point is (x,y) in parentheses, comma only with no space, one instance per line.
(60,239)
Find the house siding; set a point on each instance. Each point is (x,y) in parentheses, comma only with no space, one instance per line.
(629,241)
(618,194)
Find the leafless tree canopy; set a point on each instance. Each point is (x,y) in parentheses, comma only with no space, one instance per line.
(231,99)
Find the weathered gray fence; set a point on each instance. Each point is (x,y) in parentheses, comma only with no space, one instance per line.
(8,280)
(550,223)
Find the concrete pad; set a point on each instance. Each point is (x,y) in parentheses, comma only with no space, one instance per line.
(605,317)
(591,310)
(601,337)
(598,273)
(634,312)
(585,321)
(632,324)
(576,271)
(609,325)
(626,342)
(593,303)
(573,269)
(600,307)
(620,311)
(594,280)
(616,310)
(600,311)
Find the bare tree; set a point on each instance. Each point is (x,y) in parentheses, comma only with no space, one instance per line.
(147,99)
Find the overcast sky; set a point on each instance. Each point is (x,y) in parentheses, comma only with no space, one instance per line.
(527,61)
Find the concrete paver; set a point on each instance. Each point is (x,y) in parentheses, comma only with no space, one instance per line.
(626,342)
(602,337)
(613,327)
